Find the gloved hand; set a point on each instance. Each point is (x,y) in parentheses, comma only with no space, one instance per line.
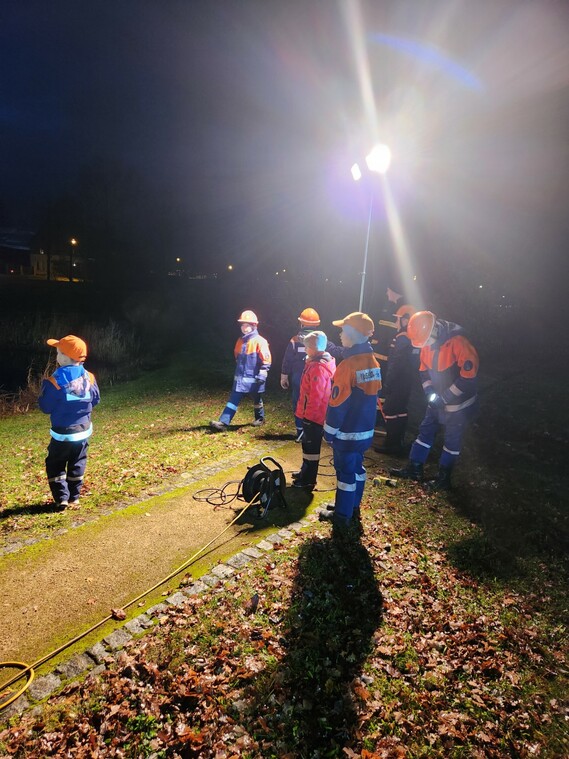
(262,376)
(436,401)
(284,381)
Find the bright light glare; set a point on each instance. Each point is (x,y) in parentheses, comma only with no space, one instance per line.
(230,267)
(379,159)
(356,172)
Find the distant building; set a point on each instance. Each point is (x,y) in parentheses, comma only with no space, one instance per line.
(15,251)
(21,257)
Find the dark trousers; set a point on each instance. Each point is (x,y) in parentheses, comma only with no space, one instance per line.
(65,467)
(454,424)
(295,395)
(395,415)
(311,446)
(350,482)
(233,403)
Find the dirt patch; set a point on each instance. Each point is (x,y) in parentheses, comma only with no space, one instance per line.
(54,590)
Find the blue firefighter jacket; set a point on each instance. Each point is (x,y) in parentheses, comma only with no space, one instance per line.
(69,396)
(350,418)
(253,358)
(294,358)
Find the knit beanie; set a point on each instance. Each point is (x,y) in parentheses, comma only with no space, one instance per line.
(316,341)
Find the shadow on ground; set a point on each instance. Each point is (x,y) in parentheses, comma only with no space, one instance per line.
(328,634)
(30,509)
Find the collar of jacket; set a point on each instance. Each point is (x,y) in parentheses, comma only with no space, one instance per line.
(249,335)
(355,350)
(446,331)
(64,375)
(323,357)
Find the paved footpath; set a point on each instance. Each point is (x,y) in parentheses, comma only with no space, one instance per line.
(56,589)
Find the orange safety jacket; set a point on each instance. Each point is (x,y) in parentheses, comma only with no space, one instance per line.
(449,367)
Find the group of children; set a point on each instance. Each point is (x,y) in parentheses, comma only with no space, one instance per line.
(337,403)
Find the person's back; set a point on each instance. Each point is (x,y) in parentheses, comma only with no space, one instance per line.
(68,396)
(350,418)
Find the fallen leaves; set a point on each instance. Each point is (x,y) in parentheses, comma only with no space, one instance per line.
(271,665)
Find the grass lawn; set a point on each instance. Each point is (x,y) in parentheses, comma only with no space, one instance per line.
(147,433)
(440,632)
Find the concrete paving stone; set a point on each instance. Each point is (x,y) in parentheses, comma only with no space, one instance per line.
(274,538)
(264,545)
(135,625)
(253,552)
(156,610)
(238,561)
(98,653)
(210,580)
(296,526)
(44,686)
(286,534)
(117,639)
(145,620)
(177,599)
(75,666)
(195,588)
(222,570)
(96,671)
(12,710)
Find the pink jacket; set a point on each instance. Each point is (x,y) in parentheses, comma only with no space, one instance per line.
(315,387)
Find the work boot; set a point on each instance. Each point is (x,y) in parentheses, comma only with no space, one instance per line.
(304,485)
(218,426)
(441,481)
(412,471)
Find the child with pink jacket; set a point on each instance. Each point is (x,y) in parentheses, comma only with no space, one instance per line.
(315,387)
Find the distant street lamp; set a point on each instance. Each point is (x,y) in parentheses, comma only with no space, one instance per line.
(72,244)
(378,161)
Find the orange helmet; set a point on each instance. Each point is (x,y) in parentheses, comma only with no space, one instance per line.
(420,327)
(406,311)
(310,317)
(249,317)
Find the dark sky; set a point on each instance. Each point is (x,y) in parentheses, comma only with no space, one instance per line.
(243,117)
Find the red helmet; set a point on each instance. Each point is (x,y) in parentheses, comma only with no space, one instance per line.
(249,317)
(310,317)
(420,327)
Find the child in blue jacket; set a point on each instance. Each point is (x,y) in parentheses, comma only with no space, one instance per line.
(252,364)
(68,396)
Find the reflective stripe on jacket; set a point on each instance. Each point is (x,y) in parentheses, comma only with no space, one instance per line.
(253,359)
(350,418)
(315,388)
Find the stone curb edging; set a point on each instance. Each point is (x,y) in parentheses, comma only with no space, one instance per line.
(96,658)
(183,480)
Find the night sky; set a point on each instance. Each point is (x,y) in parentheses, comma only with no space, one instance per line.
(242,119)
